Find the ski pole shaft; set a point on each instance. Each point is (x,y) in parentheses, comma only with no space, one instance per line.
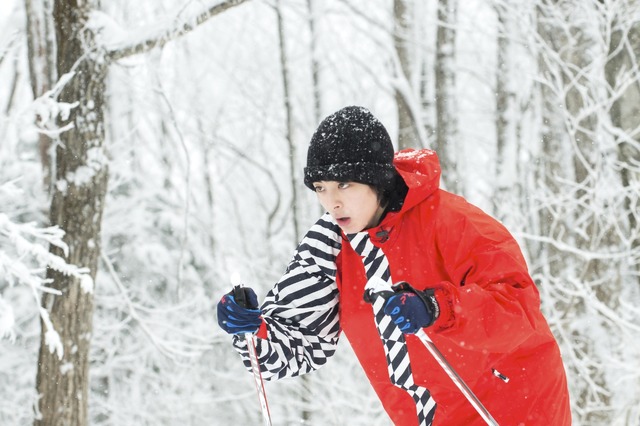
(239,295)
(466,391)
(257,378)
(379,288)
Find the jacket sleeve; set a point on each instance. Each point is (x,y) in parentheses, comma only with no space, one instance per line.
(490,301)
(300,313)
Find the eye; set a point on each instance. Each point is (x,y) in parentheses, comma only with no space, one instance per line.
(343,185)
(318,188)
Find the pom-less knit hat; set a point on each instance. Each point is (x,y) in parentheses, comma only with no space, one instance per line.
(351,145)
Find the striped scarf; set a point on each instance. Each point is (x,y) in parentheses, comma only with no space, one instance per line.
(395,348)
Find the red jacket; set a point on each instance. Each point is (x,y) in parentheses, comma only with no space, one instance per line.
(489,325)
(489,319)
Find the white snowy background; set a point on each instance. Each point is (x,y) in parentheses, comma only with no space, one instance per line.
(200,188)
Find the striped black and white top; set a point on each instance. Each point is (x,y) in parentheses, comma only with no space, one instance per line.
(302,310)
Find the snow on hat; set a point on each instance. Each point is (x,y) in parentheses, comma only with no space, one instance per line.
(351,145)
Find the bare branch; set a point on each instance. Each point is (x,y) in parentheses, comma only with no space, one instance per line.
(170,34)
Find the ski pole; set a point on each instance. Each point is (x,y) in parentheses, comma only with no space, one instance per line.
(383,289)
(239,296)
(468,393)
(257,378)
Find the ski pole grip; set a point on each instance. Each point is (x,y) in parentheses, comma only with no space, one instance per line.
(240,296)
(377,287)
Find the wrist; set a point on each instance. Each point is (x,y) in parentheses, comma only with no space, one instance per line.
(430,303)
(427,297)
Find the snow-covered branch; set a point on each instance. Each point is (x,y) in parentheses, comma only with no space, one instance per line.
(171,350)
(24,257)
(120,43)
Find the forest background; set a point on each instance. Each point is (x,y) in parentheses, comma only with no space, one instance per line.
(150,149)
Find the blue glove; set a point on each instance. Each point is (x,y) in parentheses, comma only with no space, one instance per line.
(238,311)
(411,309)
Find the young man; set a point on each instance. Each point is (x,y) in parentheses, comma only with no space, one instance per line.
(458,274)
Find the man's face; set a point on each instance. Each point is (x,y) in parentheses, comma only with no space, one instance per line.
(354,206)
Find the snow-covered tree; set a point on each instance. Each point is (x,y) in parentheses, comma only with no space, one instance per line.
(534,105)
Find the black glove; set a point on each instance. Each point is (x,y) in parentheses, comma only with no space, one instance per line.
(238,311)
(411,309)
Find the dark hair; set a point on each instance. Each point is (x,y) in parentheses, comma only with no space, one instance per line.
(391,198)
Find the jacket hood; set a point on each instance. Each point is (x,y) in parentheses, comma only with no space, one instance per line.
(420,170)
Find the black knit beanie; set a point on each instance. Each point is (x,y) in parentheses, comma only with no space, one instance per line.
(351,145)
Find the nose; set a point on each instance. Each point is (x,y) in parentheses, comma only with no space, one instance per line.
(336,202)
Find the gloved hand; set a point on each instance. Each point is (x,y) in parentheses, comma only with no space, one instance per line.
(238,311)
(411,309)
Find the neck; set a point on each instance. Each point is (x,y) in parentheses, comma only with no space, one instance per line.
(377,218)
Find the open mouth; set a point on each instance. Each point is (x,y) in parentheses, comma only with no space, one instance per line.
(343,221)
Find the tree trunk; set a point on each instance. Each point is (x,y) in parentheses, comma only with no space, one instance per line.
(624,51)
(315,65)
(42,66)
(76,207)
(556,157)
(407,137)
(286,81)
(576,157)
(446,105)
(292,156)
(79,189)
(506,149)
(426,80)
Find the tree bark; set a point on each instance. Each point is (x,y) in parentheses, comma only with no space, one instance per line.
(78,193)
(502,103)
(315,65)
(575,159)
(622,68)
(76,206)
(42,66)
(407,137)
(506,190)
(446,105)
(286,81)
(295,210)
